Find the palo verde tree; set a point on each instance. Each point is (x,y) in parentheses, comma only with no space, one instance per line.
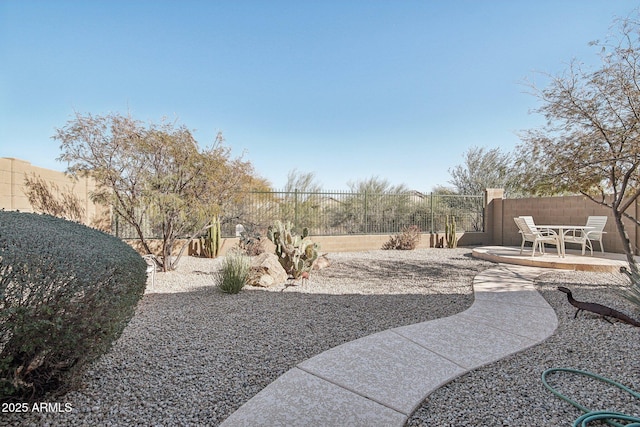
(483,168)
(591,142)
(154,174)
(301,201)
(374,206)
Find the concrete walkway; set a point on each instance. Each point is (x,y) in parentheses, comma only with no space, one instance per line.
(380,379)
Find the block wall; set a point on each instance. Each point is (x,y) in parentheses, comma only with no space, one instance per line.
(13,196)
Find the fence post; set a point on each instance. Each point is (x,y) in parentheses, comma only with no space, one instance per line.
(295,208)
(494,216)
(431,208)
(366,222)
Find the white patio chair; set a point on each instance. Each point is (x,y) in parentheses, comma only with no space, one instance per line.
(532,225)
(530,222)
(152,266)
(585,237)
(535,236)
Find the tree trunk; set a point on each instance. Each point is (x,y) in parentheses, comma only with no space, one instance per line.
(626,242)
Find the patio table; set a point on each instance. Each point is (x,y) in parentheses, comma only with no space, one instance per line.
(562,230)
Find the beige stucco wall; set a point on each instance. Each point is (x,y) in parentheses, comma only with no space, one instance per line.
(12,188)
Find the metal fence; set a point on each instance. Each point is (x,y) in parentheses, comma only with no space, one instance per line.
(341,213)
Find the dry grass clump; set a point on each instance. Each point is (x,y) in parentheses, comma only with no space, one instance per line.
(408,239)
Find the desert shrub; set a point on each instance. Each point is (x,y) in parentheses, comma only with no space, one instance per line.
(408,239)
(234,273)
(66,293)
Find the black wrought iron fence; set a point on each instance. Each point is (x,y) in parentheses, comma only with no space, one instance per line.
(340,213)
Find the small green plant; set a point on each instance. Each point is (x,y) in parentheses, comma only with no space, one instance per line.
(234,273)
(210,242)
(408,239)
(295,253)
(450,232)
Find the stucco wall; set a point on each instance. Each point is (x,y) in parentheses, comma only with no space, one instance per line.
(12,188)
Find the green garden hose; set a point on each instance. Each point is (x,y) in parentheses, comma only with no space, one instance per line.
(590,415)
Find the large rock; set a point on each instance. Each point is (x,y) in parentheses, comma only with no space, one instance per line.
(266,271)
(321,262)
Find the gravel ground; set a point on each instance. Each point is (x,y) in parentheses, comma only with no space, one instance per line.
(192,355)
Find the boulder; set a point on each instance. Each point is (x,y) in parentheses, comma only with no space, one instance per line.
(266,271)
(321,262)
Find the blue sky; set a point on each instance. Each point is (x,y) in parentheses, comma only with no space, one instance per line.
(346,89)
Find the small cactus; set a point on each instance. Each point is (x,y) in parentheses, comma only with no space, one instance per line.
(450,232)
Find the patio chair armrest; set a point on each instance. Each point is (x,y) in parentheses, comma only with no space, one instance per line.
(547,232)
(573,238)
(151,261)
(596,232)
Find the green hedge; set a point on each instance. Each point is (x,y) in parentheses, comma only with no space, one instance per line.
(67,292)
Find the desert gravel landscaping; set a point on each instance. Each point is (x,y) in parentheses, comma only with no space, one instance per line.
(192,355)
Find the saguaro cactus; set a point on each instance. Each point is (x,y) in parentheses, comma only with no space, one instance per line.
(450,232)
(210,242)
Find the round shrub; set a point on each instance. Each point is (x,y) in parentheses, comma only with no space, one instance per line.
(67,292)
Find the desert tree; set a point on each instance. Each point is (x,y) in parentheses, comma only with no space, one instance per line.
(374,205)
(154,174)
(590,143)
(305,182)
(483,168)
(376,185)
(301,201)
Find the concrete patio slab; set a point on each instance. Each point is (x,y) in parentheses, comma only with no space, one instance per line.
(574,260)
(380,379)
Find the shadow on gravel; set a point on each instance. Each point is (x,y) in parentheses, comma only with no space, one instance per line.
(390,271)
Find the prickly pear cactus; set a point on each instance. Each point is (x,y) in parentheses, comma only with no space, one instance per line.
(296,254)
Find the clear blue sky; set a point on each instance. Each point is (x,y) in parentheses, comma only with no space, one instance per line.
(346,89)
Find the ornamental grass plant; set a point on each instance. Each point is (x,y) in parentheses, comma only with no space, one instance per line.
(631,290)
(234,273)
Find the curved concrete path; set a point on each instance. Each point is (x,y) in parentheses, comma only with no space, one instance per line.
(380,379)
